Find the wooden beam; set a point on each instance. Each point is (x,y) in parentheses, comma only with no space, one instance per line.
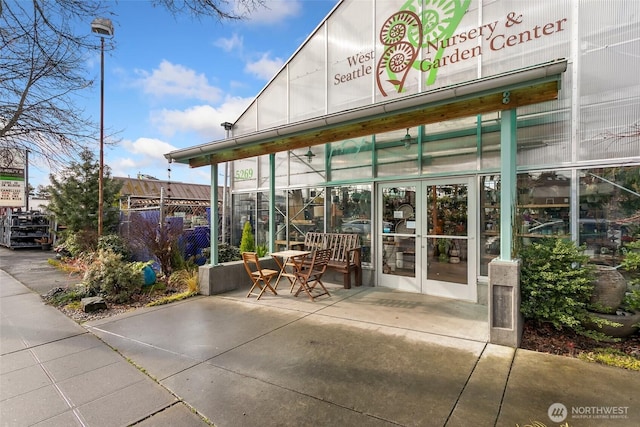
(449,110)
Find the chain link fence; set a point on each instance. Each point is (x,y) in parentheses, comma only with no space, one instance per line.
(192,217)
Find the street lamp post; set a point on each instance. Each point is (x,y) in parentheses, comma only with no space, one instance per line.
(104,28)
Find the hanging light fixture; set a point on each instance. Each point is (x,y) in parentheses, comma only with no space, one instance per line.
(407,140)
(309,155)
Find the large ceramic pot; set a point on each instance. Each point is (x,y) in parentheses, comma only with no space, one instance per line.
(627,320)
(608,290)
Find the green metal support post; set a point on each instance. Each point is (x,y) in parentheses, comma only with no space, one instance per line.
(508,182)
(214,214)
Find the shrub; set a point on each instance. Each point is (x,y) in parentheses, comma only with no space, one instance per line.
(262,250)
(631,265)
(115,278)
(631,262)
(147,236)
(247,243)
(114,243)
(228,253)
(81,242)
(184,278)
(65,296)
(557,283)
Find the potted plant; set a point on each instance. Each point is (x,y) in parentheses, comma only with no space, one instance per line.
(623,319)
(443,250)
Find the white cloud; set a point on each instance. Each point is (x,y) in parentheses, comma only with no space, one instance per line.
(264,68)
(144,155)
(235,42)
(148,147)
(275,11)
(202,119)
(178,81)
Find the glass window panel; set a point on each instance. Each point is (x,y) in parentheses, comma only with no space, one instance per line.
(543,210)
(243,210)
(609,212)
(447,224)
(351,159)
(489,221)
(305,213)
(543,205)
(398,229)
(350,212)
(261,222)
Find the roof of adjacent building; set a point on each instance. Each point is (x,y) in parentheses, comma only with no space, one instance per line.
(151,188)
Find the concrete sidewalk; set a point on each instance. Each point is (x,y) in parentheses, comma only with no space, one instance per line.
(365,356)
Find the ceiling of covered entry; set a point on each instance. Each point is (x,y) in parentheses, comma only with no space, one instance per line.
(511,90)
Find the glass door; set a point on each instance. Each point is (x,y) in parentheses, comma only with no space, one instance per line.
(398,231)
(426,237)
(449,254)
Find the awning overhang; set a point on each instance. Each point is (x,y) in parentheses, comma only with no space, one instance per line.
(496,93)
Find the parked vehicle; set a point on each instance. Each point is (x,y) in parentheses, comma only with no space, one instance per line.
(363,226)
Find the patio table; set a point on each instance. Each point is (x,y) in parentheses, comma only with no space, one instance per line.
(289,258)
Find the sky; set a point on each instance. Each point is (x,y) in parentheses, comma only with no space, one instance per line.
(171,81)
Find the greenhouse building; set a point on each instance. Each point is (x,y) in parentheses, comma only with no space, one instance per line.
(446,134)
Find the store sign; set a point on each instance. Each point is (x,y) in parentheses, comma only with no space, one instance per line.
(243,174)
(405,33)
(423,37)
(12,178)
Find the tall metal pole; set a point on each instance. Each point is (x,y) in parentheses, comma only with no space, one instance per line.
(104,28)
(101,167)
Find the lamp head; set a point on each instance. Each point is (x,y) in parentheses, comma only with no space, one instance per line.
(309,155)
(102,27)
(407,140)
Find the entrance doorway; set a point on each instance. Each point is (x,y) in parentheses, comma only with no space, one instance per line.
(426,237)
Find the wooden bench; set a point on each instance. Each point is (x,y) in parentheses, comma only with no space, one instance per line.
(345,255)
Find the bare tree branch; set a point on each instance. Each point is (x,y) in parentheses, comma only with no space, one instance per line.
(43,70)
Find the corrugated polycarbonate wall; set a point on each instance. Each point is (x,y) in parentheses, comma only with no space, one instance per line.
(372,51)
(609,73)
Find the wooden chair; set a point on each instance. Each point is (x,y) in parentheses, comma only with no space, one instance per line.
(310,275)
(260,277)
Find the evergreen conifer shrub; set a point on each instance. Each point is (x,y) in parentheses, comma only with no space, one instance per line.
(247,243)
(556,283)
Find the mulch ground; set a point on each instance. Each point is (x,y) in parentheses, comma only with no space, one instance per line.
(546,339)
